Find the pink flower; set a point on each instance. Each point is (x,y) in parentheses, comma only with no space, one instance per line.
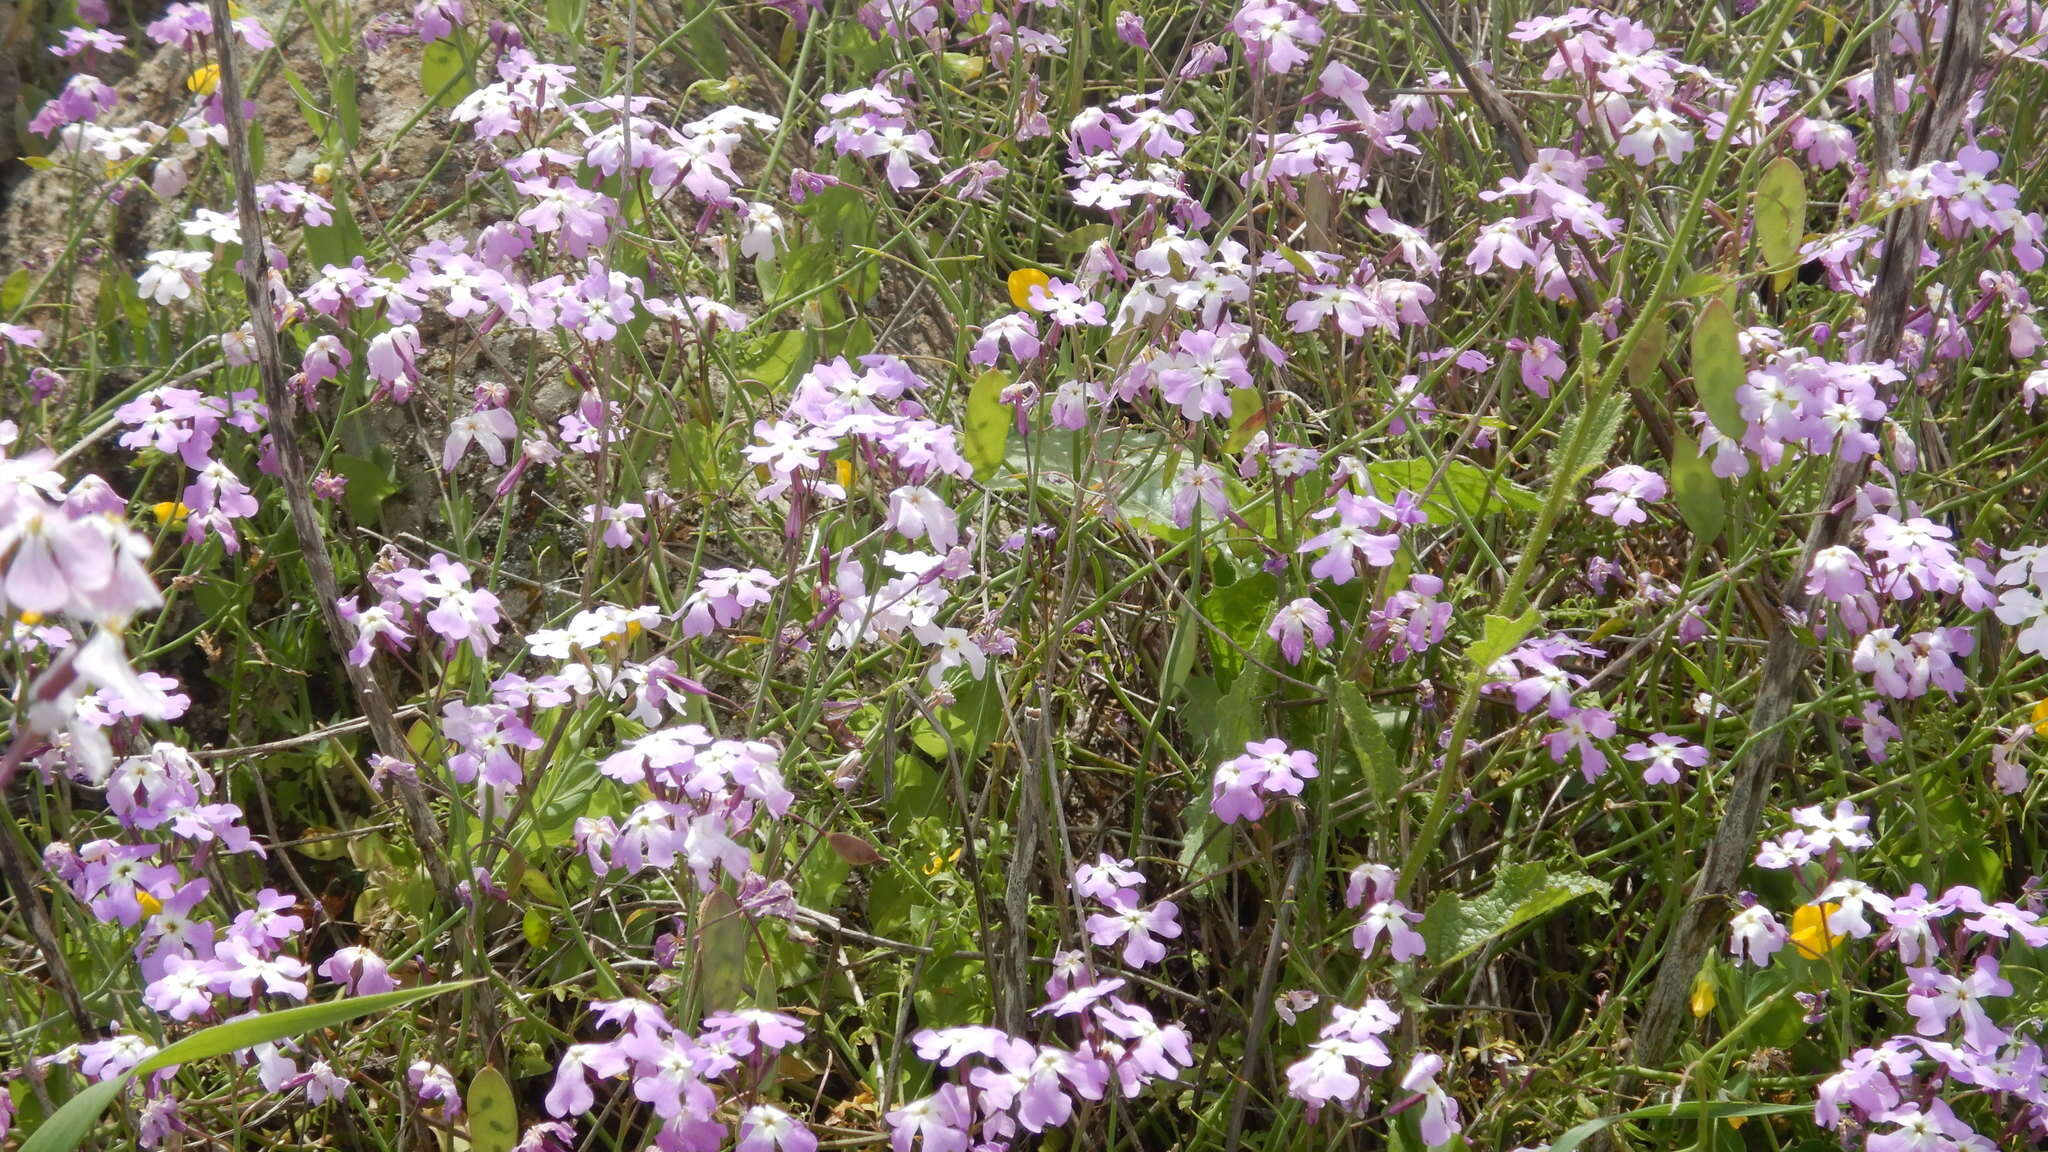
(1626,489)
(1296,624)
(1136,926)
(1652,132)
(939,1122)
(618,522)
(1662,755)
(359,971)
(766,1128)
(1393,920)
(1439,1111)
(1936,997)
(487,428)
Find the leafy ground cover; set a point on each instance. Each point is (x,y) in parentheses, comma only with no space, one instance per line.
(969,575)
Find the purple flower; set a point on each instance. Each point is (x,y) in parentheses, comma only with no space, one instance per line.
(1106,877)
(184,989)
(1625,490)
(1136,926)
(766,1128)
(1579,728)
(1296,624)
(939,1122)
(1267,768)
(1662,755)
(359,971)
(1935,998)
(1392,919)
(1439,1111)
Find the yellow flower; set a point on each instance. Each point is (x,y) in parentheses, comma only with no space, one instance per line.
(845,470)
(1810,930)
(31,618)
(1703,992)
(2040,717)
(150,904)
(203,79)
(170,512)
(940,863)
(1022,281)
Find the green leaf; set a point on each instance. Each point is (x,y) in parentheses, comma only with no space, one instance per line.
(1076,242)
(1368,741)
(347,117)
(1718,369)
(14,293)
(775,358)
(1647,357)
(987,423)
(1499,634)
(1456,926)
(1780,212)
(445,74)
(721,952)
(493,1117)
(1464,485)
(1691,1110)
(565,18)
(370,483)
(339,240)
(1697,284)
(1701,499)
(1607,425)
(1241,610)
(68,1127)
(1247,416)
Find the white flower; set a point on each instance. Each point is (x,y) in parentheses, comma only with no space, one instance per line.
(172,275)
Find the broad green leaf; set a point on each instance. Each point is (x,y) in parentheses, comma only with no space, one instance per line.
(1471,487)
(1247,416)
(1691,1111)
(1456,926)
(1701,499)
(493,1117)
(1499,634)
(255,141)
(445,75)
(1718,369)
(987,423)
(775,358)
(721,953)
(1368,741)
(14,292)
(347,117)
(1242,611)
(1697,284)
(1780,211)
(1076,242)
(1648,354)
(68,1127)
(565,18)
(370,483)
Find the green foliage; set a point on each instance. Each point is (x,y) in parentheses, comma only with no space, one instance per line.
(1456,926)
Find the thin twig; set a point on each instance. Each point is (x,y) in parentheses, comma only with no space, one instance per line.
(292,463)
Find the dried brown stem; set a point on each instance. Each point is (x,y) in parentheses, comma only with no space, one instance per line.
(292,463)
(1786,655)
